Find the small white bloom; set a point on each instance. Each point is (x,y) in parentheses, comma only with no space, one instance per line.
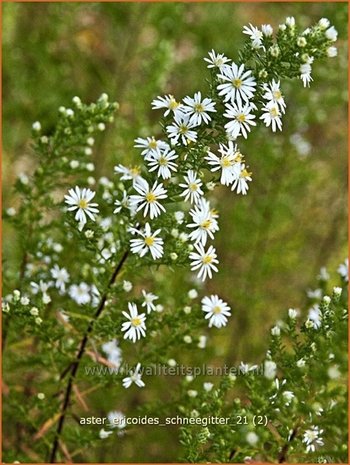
(305,74)
(172,362)
(323,274)
(203,260)
(168,102)
(192,294)
(192,393)
(38,321)
(240,184)
(301,42)
(270,369)
(116,419)
(163,162)
(25,301)
(202,342)
(124,203)
(103,434)
(241,117)
(61,276)
(267,30)
(41,396)
(80,200)
(288,396)
(216,311)
(174,256)
(272,116)
(149,298)
(273,94)
(179,216)
(275,331)
(332,52)
(255,35)
(312,438)
(217,60)
(229,162)
(149,242)
(333,372)
(337,291)
(150,146)
(331,34)
(34,311)
(127,286)
(301,363)
(204,221)
(135,327)
(132,173)
(182,129)
(135,377)
(343,270)
(292,313)
(208,386)
(113,352)
(148,198)
(252,438)
(187,339)
(290,21)
(192,187)
(239,84)
(36,126)
(198,109)
(315,316)
(80,293)
(324,23)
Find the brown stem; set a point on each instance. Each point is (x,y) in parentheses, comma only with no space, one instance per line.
(283,454)
(75,364)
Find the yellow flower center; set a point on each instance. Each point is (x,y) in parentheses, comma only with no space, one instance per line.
(183,129)
(238,156)
(226,162)
(199,108)
(216,309)
(274,112)
(240,118)
(136,321)
(207,259)
(237,83)
(193,186)
(173,104)
(245,173)
(206,224)
(162,161)
(153,144)
(135,171)
(82,203)
(150,197)
(277,94)
(149,240)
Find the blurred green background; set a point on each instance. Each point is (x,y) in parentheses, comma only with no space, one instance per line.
(272,242)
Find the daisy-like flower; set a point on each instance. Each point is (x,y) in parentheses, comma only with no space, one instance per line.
(168,102)
(113,352)
(343,270)
(239,84)
(315,316)
(229,162)
(124,203)
(182,129)
(216,311)
(312,438)
(116,419)
(150,146)
(192,187)
(204,222)
(80,200)
(241,118)
(149,298)
(135,377)
(241,183)
(149,242)
(273,94)
(198,109)
(129,173)
(217,60)
(203,260)
(80,293)
(148,197)
(255,35)
(135,327)
(267,30)
(61,276)
(163,161)
(305,74)
(272,116)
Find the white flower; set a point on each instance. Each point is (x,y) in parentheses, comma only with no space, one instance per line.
(163,161)
(204,261)
(333,372)
(239,84)
(124,203)
(41,287)
(270,369)
(324,23)
(127,286)
(337,291)
(198,109)
(229,162)
(272,116)
(276,331)
(252,438)
(192,187)
(113,352)
(103,434)
(192,294)
(135,327)
(216,310)
(149,298)
(202,342)
(61,276)
(331,34)
(240,184)
(204,220)
(135,377)
(182,129)
(254,34)
(343,270)
(192,393)
(168,102)
(292,313)
(116,419)
(149,243)
(301,363)
(315,316)
(80,200)
(332,52)
(312,438)
(129,173)
(288,396)
(179,216)
(216,60)
(148,198)
(241,118)
(150,146)
(80,293)
(208,386)
(305,74)
(267,30)
(273,94)
(290,21)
